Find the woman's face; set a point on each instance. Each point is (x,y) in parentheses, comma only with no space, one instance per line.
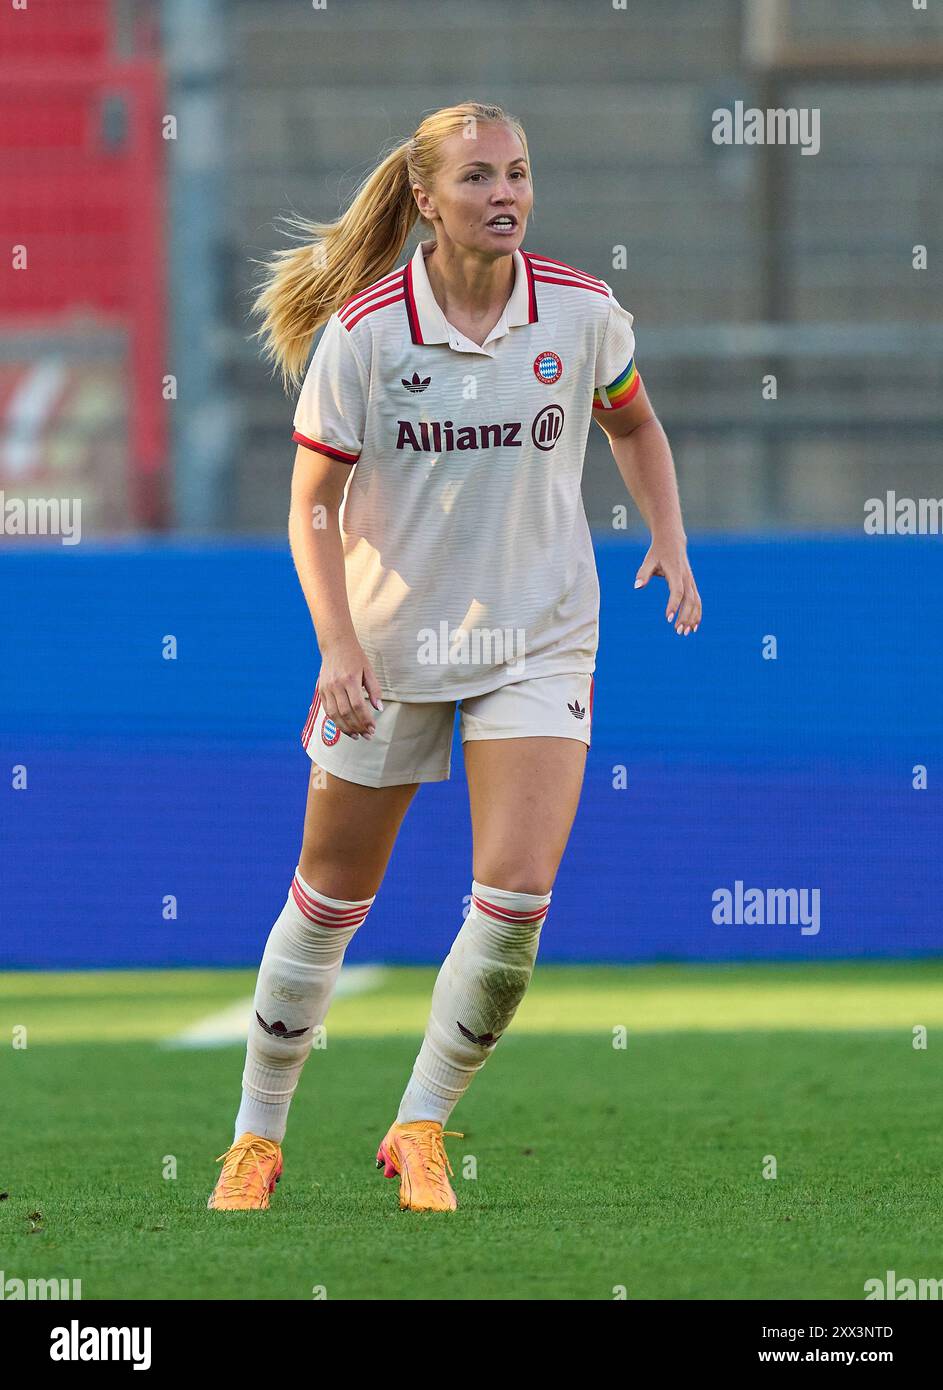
(481,179)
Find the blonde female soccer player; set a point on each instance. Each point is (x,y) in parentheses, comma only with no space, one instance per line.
(439,536)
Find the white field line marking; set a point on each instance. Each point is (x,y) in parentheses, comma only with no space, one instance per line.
(231,1025)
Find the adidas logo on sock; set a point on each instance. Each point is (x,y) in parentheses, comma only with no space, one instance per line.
(482,1039)
(278,1030)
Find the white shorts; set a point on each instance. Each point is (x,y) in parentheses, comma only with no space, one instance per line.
(413,742)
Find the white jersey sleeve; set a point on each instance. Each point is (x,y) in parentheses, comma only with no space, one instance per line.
(332,406)
(616,380)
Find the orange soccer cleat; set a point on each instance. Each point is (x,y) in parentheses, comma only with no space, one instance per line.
(416,1154)
(251,1168)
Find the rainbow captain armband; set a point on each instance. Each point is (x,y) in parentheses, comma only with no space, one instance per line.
(620,391)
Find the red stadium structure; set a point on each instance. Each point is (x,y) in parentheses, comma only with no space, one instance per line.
(82,297)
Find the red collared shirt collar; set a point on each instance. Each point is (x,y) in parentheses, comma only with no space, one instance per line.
(428,324)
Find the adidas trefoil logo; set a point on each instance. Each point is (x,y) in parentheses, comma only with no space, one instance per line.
(278,1030)
(482,1039)
(576,709)
(417,384)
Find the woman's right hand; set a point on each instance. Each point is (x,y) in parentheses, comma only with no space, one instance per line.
(345,674)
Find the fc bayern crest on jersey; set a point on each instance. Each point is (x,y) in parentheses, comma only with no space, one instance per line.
(548,368)
(330,733)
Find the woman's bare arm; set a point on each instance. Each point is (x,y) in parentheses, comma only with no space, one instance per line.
(643,457)
(317,491)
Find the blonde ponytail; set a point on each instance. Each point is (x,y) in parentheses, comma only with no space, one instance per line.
(303,285)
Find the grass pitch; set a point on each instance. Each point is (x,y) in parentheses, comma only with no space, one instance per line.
(586,1168)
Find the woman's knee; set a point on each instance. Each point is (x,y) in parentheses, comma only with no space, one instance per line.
(349,833)
(516,878)
(338,878)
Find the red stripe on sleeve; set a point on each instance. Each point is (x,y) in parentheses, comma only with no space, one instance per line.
(327,449)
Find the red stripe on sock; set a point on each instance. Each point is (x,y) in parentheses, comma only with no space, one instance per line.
(309,895)
(508,914)
(325,915)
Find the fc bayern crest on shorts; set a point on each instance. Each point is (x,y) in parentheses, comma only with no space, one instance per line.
(548,368)
(330,733)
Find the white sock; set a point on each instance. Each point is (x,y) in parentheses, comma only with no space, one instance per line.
(481,983)
(300,966)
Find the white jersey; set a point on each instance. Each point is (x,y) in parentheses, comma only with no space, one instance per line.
(468,557)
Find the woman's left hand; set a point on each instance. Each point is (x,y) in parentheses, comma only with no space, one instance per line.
(670,560)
